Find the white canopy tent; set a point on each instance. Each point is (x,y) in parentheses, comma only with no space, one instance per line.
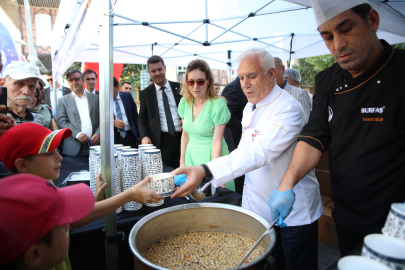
(179,31)
(183,30)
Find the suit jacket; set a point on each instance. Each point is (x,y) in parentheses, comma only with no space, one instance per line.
(148,119)
(237,100)
(68,117)
(131,111)
(46,96)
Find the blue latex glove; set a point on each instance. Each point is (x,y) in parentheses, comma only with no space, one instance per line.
(180,179)
(281,205)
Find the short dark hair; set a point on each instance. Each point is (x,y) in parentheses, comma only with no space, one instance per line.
(150,80)
(216,83)
(70,72)
(125,83)
(115,82)
(18,262)
(155,59)
(89,71)
(48,72)
(362,10)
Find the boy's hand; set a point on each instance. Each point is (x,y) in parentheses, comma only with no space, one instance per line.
(100,187)
(148,195)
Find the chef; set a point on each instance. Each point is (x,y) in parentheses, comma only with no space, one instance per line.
(271,123)
(359,114)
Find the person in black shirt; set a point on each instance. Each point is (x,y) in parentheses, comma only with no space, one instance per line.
(359,114)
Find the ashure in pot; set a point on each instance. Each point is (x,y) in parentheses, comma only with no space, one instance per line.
(198,217)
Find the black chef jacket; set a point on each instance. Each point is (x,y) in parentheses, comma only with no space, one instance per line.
(362,121)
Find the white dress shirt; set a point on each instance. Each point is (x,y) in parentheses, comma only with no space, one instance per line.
(82,105)
(124,115)
(94,92)
(173,107)
(269,136)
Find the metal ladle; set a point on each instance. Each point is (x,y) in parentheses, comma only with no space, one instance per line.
(198,193)
(257,243)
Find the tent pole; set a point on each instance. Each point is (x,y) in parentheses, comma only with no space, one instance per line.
(31,48)
(206,18)
(394,9)
(289,61)
(229,66)
(106,129)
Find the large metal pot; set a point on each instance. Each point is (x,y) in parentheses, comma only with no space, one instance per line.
(198,217)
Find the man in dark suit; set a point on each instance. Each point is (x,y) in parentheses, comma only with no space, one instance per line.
(80,112)
(61,91)
(237,100)
(159,122)
(90,81)
(125,118)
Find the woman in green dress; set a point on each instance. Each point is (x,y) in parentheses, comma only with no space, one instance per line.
(205,115)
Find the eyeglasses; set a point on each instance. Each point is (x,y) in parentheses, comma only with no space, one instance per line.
(199,82)
(77,79)
(49,80)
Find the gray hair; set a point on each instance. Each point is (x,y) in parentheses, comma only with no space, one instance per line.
(266,60)
(279,61)
(293,73)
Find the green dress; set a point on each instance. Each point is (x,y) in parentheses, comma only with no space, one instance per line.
(201,131)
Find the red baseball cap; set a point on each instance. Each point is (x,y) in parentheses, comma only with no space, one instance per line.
(29,139)
(32,206)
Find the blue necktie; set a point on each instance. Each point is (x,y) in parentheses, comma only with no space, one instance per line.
(119,116)
(253,107)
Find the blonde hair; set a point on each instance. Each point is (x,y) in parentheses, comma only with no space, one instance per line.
(204,67)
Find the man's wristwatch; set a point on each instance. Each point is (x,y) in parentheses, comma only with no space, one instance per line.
(207,171)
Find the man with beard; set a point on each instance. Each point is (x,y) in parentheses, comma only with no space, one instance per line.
(21,80)
(158,120)
(358,113)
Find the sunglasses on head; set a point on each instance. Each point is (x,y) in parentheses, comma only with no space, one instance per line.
(199,82)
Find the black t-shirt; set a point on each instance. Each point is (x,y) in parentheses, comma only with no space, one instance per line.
(362,121)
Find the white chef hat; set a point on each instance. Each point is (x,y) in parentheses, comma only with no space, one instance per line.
(293,73)
(324,10)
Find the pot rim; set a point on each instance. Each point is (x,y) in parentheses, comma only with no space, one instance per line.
(155,214)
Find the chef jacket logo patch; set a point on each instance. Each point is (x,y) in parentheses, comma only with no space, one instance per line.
(254,134)
(379,110)
(330,113)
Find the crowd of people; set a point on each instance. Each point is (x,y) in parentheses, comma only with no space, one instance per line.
(263,137)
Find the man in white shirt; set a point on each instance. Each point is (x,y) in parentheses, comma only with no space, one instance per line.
(79,111)
(271,123)
(47,96)
(159,122)
(298,93)
(90,81)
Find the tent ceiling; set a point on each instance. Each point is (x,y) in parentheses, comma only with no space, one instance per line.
(178,32)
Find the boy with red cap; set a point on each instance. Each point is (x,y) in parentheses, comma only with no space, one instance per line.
(31,148)
(35,218)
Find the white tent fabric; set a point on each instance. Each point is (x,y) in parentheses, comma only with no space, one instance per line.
(178,32)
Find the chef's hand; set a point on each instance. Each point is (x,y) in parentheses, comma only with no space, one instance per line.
(100,187)
(194,174)
(281,204)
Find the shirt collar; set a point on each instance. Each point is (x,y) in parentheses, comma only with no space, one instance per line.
(29,115)
(84,94)
(275,92)
(285,82)
(167,85)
